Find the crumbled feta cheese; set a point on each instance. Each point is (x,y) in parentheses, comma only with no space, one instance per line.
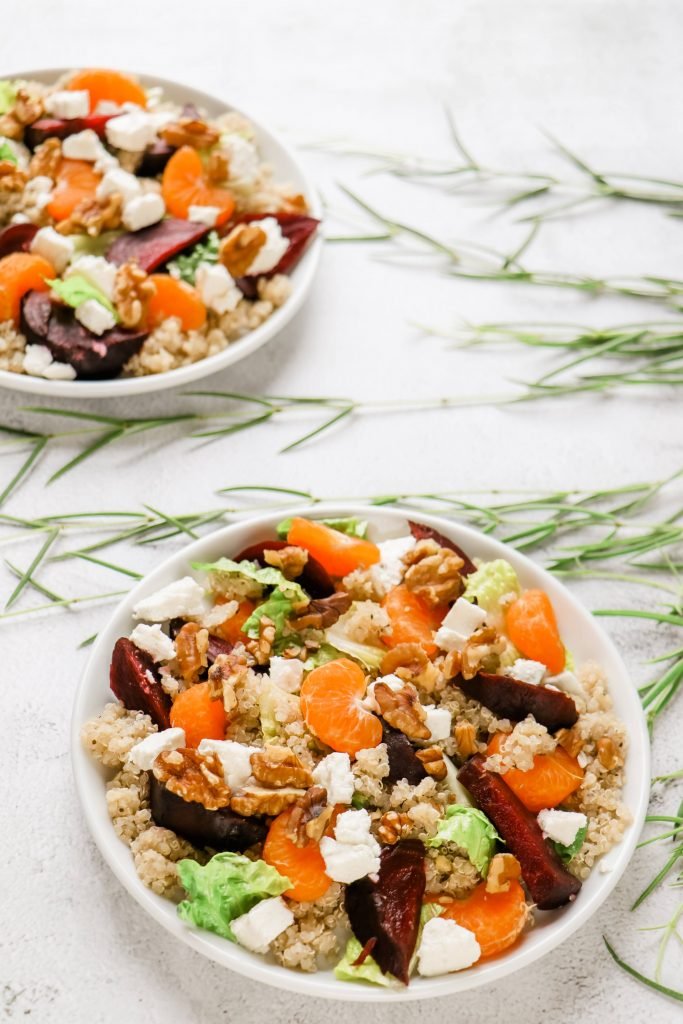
(287,673)
(235,758)
(605,868)
(67,103)
(38,191)
(154,641)
(216,287)
(144,754)
(132,131)
(566,681)
(438,722)
(107,107)
(354,852)
(38,362)
(561,826)
(106,161)
(243,158)
(204,215)
(335,775)
(183,598)
(526,671)
(84,145)
(394,683)
(96,317)
(272,250)
(116,180)
(142,211)
(388,572)
(583,758)
(446,946)
(463,619)
(256,929)
(97,270)
(57,249)
(219,614)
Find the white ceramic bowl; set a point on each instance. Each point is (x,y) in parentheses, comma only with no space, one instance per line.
(580,632)
(286,168)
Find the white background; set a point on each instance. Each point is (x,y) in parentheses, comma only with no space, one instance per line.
(604,76)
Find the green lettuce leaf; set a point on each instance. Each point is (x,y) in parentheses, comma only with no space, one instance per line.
(7,153)
(8,95)
(76,290)
(471,830)
(490,582)
(324,654)
(279,608)
(350,525)
(268,576)
(185,266)
(368,655)
(369,970)
(567,853)
(225,888)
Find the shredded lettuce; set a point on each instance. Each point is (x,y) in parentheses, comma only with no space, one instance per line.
(567,853)
(267,576)
(490,582)
(472,831)
(225,888)
(76,290)
(352,526)
(185,266)
(278,608)
(369,970)
(324,654)
(369,656)
(273,699)
(86,245)
(7,153)
(569,663)
(8,95)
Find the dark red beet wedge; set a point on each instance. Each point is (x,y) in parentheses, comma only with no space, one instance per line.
(403,761)
(388,910)
(60,128)
(221,829)
(314,579)
(512,698)
(17,238)
(154,159)
(544,874)
(151,247)
(297,229)
(47,323)
(133,679)
(421,532)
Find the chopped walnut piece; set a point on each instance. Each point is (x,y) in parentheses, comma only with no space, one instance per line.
(394,826)
(481,652)
(402,710)
(93,216)
(239,249)
(450,664)
(12,178)
(256,800)
(571,740)
(294,204)
(290,560)
(132,292)
(195,777)
(46,159)
(217,168)
(279,767)
(190,131)
(503,869)
(433,762)
(27,108)
(322,612)
(192,644)
(433,572)
(608,755)
(409,662)
(11,128)
(465,736)
(260,649)
(227,671)
(309,817)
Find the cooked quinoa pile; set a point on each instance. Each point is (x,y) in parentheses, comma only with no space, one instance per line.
(299,721)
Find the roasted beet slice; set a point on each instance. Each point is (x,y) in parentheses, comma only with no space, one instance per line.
(314,579)
(221,829)
(133,679)
(297,229)
(17,238)
(47,323)
(512,698)
(217,647)
(388,909)
(59,127)
(154,159)
(544,874)
(421,532)
(403,761)
(152,247)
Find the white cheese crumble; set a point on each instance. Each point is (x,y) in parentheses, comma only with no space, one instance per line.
(388,572)
(153,641)
(354,852)
(143,211)
(272,250)
(256,929)
(561,826)
(118,181)
(243,158)
(183,598)
(219,614)
(287,673)
(38,362)
(463,619)
(144,754)
(96,317)
(446,946)
(394,683)
(526,671)
(438,721)
(335,775)
(235,759)
(566,681)
(67,103)
(85,145)
(55,248)
(216,287)
(132,131)
(204,215)
(97,270)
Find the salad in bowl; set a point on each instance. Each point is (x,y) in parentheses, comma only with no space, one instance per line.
(139,232)
(370,751)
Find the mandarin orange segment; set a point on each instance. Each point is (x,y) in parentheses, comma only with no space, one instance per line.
(103,84)
(184,185)
(21,272)
(201,717)
(178,299)
(231,629)
(496,918)
(302,865)
(331,704)
(412,620)
(549,782)
(76,181)
(532,628)
(339,553)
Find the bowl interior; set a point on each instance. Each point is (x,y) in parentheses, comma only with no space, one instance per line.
(286,168)
(582,636)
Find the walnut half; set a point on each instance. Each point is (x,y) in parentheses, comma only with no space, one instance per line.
(394,826)
(433,762)
(257,800)
(132,292)
(240,248)
(402,710)
(195,777)
(503,869)
(279,767)
(309,817)
(433,573)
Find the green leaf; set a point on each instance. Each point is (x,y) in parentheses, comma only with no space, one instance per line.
(267,576)
(7,153)
(366,654)
(566,853)
(185,266)
(76,290)
(369,970)
(490,583)
(320,657)
(278,608)
(225,888)
(350,525)
(469,829)
(8,95)
(359,801)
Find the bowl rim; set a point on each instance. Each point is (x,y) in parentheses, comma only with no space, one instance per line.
(301,276)
(324,984)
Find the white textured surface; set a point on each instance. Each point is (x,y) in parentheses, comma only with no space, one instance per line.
(603,76)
